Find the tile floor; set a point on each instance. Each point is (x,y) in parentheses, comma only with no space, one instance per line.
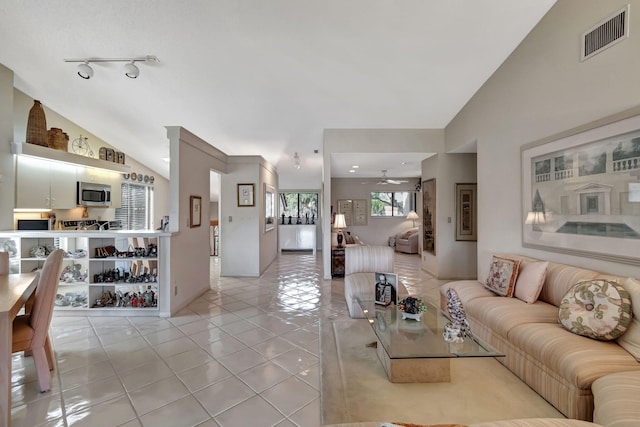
(244,353)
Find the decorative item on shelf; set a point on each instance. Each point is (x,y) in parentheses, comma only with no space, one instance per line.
(37,125)
(9,246)
(134,176)
(81,146)
(111,155)
(72,299)
(78,253)
(120,157)
(412,308)
(73,273)
(106,251)
(41,251)
(57,139)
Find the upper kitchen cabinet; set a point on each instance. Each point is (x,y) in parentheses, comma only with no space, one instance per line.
(41,184)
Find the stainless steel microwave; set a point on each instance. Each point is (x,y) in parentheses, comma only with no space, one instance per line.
(92,194)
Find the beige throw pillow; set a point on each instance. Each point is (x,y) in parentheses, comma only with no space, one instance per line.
(530,280)
(630,340)
(502,276)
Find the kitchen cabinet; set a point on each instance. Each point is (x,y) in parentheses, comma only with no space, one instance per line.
(41,184)
(297,237)
(104,273)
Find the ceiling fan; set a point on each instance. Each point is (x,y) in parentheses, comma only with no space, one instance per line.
(384,180)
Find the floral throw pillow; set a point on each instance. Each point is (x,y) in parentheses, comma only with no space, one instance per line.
(502,276)
(598,309)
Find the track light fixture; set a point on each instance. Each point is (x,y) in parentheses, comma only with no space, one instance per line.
(130,69)
(296,161)
(85,71)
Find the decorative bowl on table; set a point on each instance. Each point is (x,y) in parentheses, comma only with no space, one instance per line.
(411,308)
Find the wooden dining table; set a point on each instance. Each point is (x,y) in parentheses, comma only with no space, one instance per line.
(15,290)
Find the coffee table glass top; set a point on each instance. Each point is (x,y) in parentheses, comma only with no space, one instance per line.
(419,339)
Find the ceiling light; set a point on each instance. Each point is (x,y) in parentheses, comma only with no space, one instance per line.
(355,166)
(85,71)
(352,171)
(131,71)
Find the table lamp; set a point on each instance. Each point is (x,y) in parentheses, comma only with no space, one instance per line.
(339,223)
(413,216)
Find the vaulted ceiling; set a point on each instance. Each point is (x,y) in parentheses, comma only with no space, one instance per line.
(259,77)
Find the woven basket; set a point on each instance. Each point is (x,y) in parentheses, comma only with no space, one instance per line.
(37,126)
(58,140)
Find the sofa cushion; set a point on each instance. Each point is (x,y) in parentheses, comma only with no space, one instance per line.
(503,273)
(576,359)
(503,314)
(560,278)
(630,340)
(598,309)
(530,280)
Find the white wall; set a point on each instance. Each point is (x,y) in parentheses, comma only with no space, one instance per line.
(7,173)
(245,248)
(191,162)
(213,210)
(453,259)
(378,229)
(543,89)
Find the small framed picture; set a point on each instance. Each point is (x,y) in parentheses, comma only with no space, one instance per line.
(245,195)
(195,211)
(386,288)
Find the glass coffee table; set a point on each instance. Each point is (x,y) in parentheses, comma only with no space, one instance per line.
(415,351)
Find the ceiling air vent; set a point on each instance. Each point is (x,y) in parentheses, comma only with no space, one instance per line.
(605,34)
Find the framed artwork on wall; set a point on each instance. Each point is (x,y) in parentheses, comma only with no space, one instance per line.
(581,192)
(245,195)
(345,207)
(466,212)
(195,211)
(270,207)
(429,215)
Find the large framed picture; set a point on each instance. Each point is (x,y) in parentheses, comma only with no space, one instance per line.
(581,192)
(195,211)
(466,212)
(270,208)
(245,195)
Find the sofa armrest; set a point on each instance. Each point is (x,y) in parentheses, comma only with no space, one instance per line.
(616,399)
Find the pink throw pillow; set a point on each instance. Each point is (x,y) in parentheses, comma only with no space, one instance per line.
(530,280)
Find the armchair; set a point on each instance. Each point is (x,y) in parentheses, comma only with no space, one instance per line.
(407,241)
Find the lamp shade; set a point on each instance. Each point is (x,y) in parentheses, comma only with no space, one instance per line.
(535,218)
(339,222)
(412,215)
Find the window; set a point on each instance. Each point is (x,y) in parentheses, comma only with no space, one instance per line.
(398,203)
(136,212)
(304,205)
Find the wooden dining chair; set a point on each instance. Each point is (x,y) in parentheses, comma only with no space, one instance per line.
(4,263)
(31,331)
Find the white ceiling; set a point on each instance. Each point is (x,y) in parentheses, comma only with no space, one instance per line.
(255,77)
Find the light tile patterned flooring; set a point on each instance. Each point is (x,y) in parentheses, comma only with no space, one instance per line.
(244,353)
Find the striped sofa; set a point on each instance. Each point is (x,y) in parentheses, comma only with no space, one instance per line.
(558,365)
(360,264)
